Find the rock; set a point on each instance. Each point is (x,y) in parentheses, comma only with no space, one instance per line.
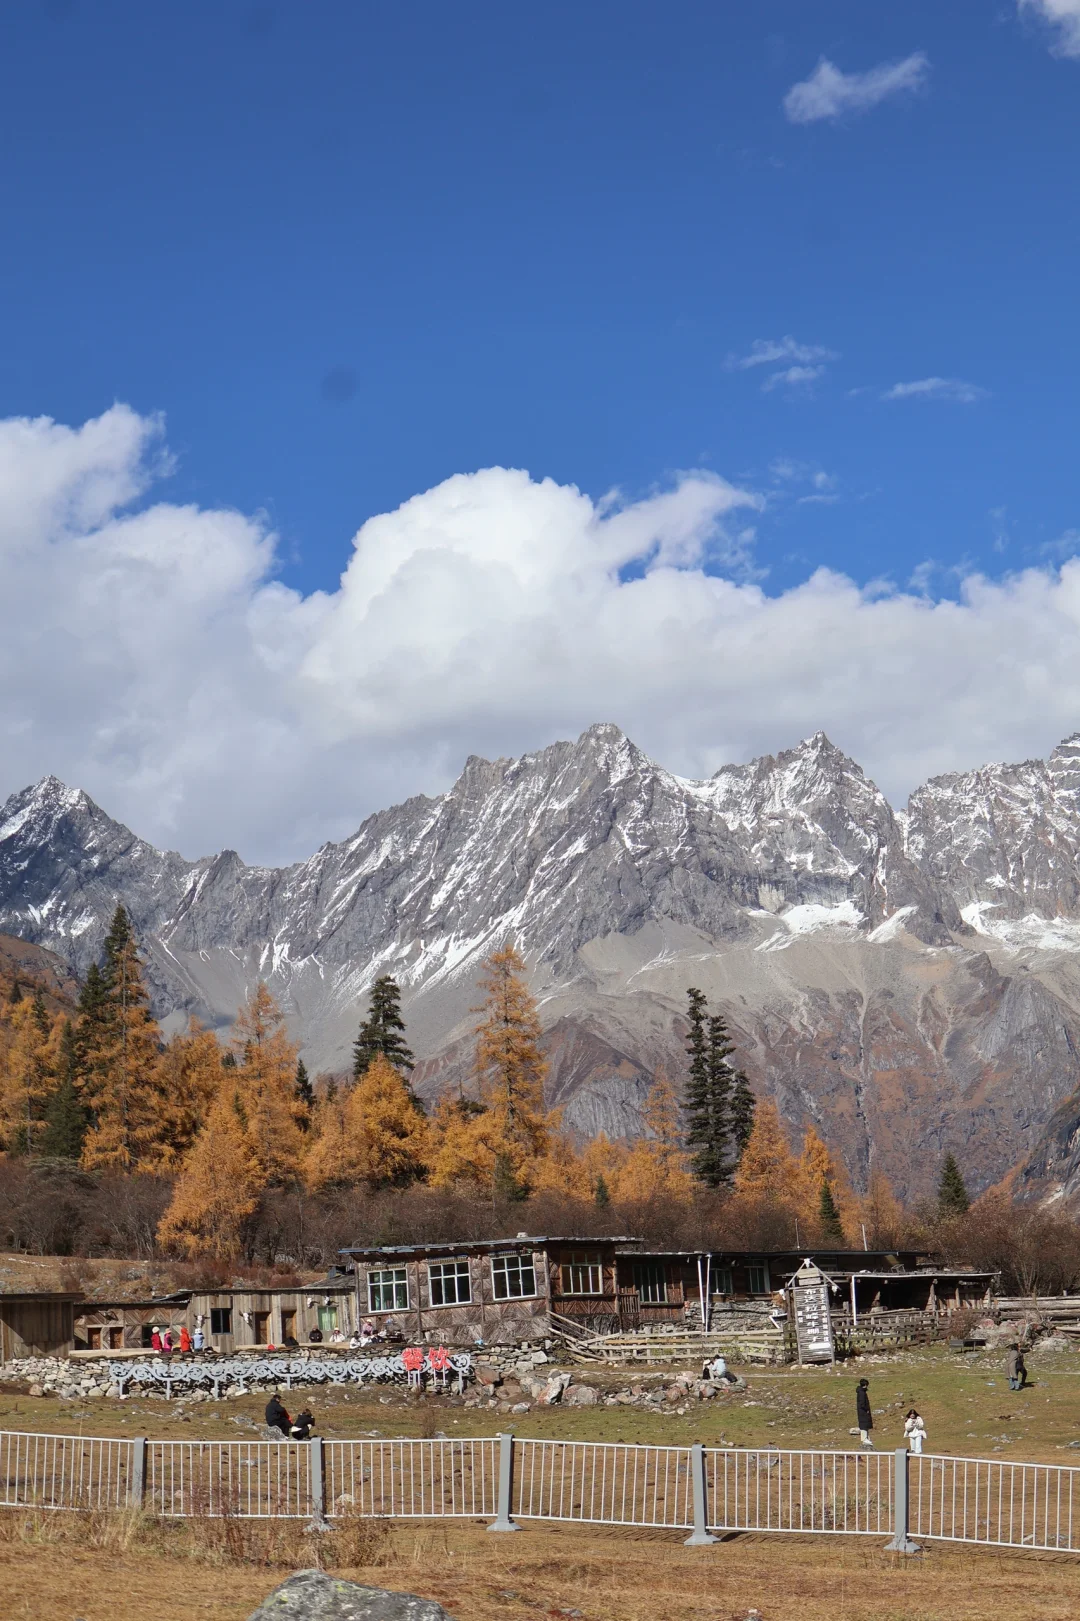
(540,1357)
(582,1396)
(36,1390)
(553,1390)
(520,1407)
(312,1595)
(487,1375)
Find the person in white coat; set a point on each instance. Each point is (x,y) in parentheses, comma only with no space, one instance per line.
(914,1433)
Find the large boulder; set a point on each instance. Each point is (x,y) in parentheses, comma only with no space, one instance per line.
(312,1595)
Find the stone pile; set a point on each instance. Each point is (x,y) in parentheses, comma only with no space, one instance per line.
(56,1376)
(527,1385)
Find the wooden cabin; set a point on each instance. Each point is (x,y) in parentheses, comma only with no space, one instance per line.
(40,1324)
(127,1325)
(492,1291)
(248,1317)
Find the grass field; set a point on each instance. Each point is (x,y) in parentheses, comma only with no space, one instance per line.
(65,1567)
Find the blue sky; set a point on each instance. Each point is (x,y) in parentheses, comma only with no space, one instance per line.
(347,252)
(350,250)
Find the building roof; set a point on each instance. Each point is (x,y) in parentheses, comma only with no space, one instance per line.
(519,1239)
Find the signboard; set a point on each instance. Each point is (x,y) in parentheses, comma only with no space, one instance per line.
(809,1292)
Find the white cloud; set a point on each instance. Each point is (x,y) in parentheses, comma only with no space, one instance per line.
(150,656)
(936,388)
(794,377)
(828,93)
(767,351)
(1062,15)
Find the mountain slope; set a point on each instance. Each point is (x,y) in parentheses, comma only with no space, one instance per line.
(909,982)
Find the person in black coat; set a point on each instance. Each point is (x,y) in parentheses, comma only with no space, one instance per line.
(276,1416)
(862,1411)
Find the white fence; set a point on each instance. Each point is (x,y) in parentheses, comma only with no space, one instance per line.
(707,1492)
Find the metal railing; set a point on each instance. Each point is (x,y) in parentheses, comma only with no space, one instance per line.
(997,1504)
(839,1492)
(706,1491)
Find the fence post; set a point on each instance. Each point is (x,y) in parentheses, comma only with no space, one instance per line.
(317,1479)
(503,1520)
(900,1542)
(700,1535)
(137,1474)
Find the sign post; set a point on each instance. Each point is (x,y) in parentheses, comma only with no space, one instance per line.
(808,1292)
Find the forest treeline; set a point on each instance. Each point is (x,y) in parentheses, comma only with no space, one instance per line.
(119,1142)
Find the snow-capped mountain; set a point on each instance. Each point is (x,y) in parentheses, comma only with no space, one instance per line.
(910,982)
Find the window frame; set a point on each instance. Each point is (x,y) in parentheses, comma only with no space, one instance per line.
(654,1290)
(760,1271)
(224,1320)
(392,1277)
(588,1262)
(521,1264)
(462,1273)
(723,1281)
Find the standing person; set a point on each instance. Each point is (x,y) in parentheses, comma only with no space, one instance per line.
(198,1339)
(1021,1369)
(1012,1366)
(166,1342)
(276,1416)
(864,1416)
(914,1433)
(155,1339)
(185,1339)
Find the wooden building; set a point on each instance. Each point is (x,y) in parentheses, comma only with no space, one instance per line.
(489,1292)
(127,1325)
(40,1324)
(310,1314)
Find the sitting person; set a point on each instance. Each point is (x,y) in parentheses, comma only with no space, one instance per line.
(315,1336)
(302,1425)
(717,1371)
(276,1416)
(291,1343)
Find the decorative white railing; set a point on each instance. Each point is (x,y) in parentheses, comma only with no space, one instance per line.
(705,1491)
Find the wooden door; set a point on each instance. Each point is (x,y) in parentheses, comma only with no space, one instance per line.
(288,1325)
(260,1323)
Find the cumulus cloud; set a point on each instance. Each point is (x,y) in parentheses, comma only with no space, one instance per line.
(148,654)
(1064,17)
(936,388)
(829,93)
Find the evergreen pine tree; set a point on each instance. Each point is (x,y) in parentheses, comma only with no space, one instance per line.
(65,1113)
(120,1049)
(601,1196)
(304,1094)
(952,1194)
(15,994)
(741,1118)
(711,1090)
(383,1031)
(832,1231)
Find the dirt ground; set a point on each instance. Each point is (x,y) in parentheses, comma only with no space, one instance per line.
(72,1573)
(548,1571)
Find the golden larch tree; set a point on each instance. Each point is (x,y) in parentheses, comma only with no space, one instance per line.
(265,1080)
(190,1075)
(768,1169)
(28,1058)
(218,1189)
(374,1134)
(502,1145)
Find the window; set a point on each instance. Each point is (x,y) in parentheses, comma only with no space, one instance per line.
(650,1281)
(512,1277)
(759,1280)
(585,1276)
(388,1290)
(449,1283)
(722,1281)
(221,1319)
(328,1319)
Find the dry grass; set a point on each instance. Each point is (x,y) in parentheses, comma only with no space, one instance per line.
(126,1573)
